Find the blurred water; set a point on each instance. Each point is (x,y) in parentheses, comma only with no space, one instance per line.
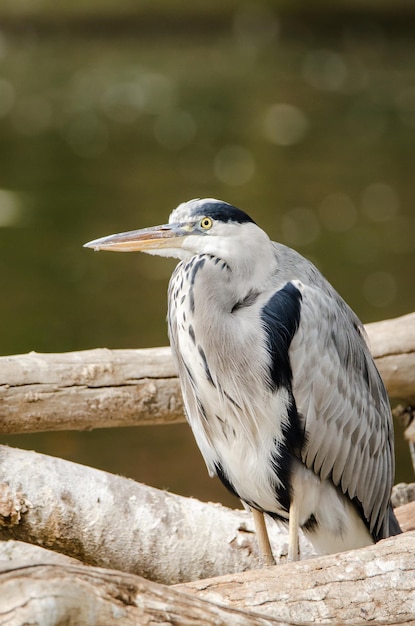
(312,133)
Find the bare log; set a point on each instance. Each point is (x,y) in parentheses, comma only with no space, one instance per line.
(52,594)
(36,582)
(11,550)
(375,584)
(89,389)
(406,516)
(20,551)
(110,521)
(402,493)
(392,343)
(104,388)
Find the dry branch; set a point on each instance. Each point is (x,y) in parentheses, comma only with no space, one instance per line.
(392,343)
(12,550)
(371,585)
(110,521)
(35,583)
(52,594)
(375,584)
(20,551)
(103,388)
(89,389)
(402,493)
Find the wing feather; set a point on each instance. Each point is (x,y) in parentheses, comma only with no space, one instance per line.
(341,397)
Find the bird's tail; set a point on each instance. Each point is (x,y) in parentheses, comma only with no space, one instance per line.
(394,528)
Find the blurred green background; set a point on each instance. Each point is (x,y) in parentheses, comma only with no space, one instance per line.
(112,113)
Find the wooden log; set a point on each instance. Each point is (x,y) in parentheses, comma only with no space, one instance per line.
(54,594)
(402,493)
(36,583)
(370,585)
(406,516)
(392,343)
(11,550)
(103,388)
(89,389)
(110,521)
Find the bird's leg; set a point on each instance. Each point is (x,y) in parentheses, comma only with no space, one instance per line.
(262,536)
(293,532)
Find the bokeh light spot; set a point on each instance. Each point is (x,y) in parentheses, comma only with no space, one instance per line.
(10,208)
(325,69)
(285,124)
(122,102)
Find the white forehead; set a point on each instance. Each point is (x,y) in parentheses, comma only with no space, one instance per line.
(187,210)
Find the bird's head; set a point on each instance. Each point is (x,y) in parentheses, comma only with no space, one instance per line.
(196,227)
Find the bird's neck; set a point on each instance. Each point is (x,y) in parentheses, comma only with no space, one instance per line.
(254,272)
(252,263)
(219,287)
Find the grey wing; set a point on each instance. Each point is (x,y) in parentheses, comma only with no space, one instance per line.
(339,393)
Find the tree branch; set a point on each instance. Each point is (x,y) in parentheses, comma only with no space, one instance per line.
(104,388)
(106,519)
(89,389)
(375,584)
(74,595)
(111,521)
(392,343)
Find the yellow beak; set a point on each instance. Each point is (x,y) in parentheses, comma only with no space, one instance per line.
(165,236)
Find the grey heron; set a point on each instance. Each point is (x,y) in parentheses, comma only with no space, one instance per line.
(279,386)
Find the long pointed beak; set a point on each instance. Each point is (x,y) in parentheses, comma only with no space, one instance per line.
(165,236)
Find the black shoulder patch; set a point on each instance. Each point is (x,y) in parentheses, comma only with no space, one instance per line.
(223,212)
(280,318)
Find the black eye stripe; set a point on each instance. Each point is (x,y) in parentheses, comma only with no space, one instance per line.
(219,211)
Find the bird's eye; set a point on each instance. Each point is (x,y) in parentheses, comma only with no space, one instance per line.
(206,223)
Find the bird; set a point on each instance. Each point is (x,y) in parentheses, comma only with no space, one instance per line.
(279,386)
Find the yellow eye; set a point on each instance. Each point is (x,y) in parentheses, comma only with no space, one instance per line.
(206,223)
